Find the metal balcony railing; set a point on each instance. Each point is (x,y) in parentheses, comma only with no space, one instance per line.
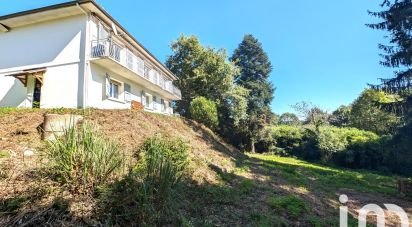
(125,57)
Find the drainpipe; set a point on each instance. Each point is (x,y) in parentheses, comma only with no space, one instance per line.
(84,61)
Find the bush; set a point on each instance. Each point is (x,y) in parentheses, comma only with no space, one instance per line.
(143,197)
(332,140)
(84,157)
(294,141)
(204,111)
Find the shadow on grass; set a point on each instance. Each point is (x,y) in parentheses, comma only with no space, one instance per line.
(27,210)
(301,173)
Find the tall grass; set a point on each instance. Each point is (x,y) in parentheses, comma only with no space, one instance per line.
(84,157)
(143,198)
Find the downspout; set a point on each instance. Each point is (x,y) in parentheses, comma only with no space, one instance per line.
(84,62)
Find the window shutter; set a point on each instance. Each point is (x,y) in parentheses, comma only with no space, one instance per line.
(143,98)
(107,85)
(127,93)
(154,102)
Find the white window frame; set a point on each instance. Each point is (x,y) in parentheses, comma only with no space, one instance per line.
(148,104)
(120,91)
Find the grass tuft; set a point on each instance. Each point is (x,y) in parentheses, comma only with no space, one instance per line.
(83,157)
(143,197)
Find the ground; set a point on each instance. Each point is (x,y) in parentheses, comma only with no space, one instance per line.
(222,187)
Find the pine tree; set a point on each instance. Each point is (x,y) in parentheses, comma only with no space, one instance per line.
(255,69)
(398,54)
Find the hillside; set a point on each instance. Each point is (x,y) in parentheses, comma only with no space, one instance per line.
(223,186)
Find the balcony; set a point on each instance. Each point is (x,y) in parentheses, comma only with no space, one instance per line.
(151,78)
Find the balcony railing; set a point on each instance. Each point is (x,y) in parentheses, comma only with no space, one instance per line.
(125,57)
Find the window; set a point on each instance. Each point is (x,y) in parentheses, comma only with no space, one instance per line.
(102,32)
(114,89)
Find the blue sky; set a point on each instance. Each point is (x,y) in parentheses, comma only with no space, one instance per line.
(321,50)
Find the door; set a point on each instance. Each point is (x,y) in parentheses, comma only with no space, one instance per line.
(36,93)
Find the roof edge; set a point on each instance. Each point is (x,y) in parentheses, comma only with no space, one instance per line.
(41,9)
(81,2)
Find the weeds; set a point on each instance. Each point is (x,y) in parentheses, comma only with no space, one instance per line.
(83,157)
(143,197)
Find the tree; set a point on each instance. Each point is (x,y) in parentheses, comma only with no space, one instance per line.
(397,21)
(340,117)
(289,119)
(255,68)
(204,111)
(367,114)
(312,114)
(202,71)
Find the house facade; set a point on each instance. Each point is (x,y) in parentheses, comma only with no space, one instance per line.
(75,55)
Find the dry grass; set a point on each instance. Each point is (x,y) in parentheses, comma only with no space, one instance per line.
(223,186)
(19,175)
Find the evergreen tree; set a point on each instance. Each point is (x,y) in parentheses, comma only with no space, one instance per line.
(398,54)
(396,19)
(255,69)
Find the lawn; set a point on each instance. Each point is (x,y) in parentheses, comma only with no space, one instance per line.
(305,174)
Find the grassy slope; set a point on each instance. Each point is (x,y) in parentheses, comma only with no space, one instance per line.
(223,186)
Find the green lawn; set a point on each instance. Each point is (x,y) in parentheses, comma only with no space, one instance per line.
(304,174)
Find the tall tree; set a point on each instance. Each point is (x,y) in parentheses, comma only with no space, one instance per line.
(255,69)
(202,71)
(396,19)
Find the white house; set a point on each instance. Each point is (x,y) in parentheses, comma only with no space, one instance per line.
(75,55)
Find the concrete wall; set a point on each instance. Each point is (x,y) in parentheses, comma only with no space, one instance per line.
(58,45)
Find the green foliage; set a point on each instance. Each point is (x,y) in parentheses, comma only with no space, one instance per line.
(290,140)
(289,119)
(163,160)
(396,21)
(202,71)
(341,116)
(292,205)
(331,140)
(83,157)
(204,111)
(4,154)
(312,114)
(367,114)
(255,69)
(328,178)
(237,102)
(143,197)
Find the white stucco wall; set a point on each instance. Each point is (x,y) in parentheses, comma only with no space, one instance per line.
(96,96)
(58,45)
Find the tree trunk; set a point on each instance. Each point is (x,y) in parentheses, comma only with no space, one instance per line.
(252,145)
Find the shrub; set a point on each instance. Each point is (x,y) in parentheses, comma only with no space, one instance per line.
(332,140)
(143,197)
(84,157)
(204,111)
(294,141)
